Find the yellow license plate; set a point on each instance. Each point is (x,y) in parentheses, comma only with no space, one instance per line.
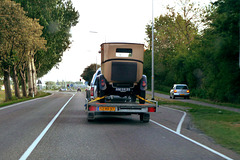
(181,94)
(110,109)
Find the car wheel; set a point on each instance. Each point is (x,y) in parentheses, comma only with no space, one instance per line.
(133,98)
(101,94)
(143,95)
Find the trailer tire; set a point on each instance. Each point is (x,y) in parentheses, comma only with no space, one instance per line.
(90,117)
(144,117)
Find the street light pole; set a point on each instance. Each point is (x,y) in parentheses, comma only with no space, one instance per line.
(152,53)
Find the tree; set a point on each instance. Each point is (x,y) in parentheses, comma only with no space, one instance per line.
(173,38)
(89,72)
(20,36)
(219,51)
(57,17)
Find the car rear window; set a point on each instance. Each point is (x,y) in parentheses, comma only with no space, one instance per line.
(123,52)
(181,87)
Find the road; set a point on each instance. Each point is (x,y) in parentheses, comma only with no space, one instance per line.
(56,127)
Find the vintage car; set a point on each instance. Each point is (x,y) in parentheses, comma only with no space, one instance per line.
(122,71)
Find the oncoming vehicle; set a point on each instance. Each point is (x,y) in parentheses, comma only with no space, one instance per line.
(122,71)
(180,90)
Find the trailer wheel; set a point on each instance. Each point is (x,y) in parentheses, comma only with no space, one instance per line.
(144,117)
(90,117)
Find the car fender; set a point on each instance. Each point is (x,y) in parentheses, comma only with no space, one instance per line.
(102,82)
(143,83)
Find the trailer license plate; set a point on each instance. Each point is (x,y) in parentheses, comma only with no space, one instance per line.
(109,109)
(123,89)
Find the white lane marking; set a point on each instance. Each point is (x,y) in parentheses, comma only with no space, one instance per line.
(193,141)
(180,123)
(38,139)
(179,127)
(2,108)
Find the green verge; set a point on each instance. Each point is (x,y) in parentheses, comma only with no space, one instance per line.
(207,100)
(15,100)
(222,125)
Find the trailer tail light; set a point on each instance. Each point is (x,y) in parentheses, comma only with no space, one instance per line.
(151,109)
(92,108)
(92,90)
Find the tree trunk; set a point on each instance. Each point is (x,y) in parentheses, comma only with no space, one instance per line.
(34,76)
(30,79)
(8,93)
(23,82)
(16,82)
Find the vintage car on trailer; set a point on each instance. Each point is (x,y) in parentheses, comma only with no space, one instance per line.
(122,71)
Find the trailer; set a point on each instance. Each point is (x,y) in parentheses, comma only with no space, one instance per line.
(115,107)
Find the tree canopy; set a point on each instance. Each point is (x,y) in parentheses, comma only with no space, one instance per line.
(89,72)
(204,58)
(57,17)
(34,35)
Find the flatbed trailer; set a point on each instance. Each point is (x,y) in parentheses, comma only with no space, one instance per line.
(94,109)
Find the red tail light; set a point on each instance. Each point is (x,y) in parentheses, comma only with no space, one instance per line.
(102,82)
(91,91)
(175,91)
(151,109)
(188,91)
(144,84)
(92,108)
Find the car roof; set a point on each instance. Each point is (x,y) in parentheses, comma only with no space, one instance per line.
(180,85)
(95,75)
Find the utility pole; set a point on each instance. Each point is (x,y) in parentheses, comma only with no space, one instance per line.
(152,52)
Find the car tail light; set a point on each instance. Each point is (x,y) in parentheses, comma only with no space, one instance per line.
(175,91)
(151,109)
(188,91)
(102,82)
(92,108)
(144,84)
(91,91)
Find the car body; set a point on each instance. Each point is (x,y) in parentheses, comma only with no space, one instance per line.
(93,84)
(62,89)
(122,70)
(180,90)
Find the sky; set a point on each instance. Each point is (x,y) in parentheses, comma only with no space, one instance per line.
(105,21)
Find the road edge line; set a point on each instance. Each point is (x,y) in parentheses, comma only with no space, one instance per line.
(193,141)
(41,135)
(179,127)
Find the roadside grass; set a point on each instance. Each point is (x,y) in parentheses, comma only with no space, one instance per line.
(206,100)
(15,100)
(222,125)
(2,96)
(217,103)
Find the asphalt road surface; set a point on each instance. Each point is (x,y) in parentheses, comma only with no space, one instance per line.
(56,127)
